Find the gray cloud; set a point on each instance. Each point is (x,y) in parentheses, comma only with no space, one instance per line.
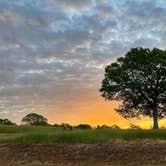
(52,51)
(72,4)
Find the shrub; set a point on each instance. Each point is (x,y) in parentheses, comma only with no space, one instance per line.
(83,126)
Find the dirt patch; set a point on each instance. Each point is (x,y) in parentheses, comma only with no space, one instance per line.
(140,152)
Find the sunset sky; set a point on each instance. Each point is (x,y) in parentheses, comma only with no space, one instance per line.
(53,54)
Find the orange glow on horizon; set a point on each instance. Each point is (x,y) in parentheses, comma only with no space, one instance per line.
(96,112)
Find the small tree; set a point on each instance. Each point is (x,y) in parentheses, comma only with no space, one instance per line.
(139,81)
(34,119)
(6,122)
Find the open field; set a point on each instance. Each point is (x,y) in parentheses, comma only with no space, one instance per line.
(50,134)
(52,146)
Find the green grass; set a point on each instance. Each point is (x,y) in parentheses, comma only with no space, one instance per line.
(28,129)
(48,134)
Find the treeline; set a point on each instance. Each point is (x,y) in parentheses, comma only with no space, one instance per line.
(6,122)
(39,120)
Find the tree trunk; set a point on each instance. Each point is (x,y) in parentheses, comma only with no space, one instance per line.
(155,119)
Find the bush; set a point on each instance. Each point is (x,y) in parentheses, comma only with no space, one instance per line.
(57,125)
(83,126)
(103,127)
(132,126)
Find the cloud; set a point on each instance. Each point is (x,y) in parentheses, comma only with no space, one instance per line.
(70,5)
(52,51)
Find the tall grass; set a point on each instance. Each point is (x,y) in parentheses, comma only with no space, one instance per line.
(28,129)
(48,134)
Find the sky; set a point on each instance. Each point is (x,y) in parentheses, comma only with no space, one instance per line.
(53,54)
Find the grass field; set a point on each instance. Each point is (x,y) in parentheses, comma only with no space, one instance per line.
(49,134)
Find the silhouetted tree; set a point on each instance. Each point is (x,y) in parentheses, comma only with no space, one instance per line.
(139,81)
(56,125)
(34,119)
(132,126)
(108,127)
(6,122)
(83,126)
(115,127)
(66,126)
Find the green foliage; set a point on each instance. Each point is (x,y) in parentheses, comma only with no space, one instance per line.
(25,129)
(139,80)
(83,126)
(48,134)
(34,119)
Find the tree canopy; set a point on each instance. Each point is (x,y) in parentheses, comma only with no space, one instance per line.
(138,80)
(34,119)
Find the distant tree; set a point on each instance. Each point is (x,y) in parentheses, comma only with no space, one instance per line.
(34,119)
(139,81)
(83,126)
(66,126)
(108,127)
(103,127)
(56,125)
(98,126)
(132,126)
(115,127)
(6,122)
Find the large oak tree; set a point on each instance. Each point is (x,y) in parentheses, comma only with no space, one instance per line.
(138,80)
